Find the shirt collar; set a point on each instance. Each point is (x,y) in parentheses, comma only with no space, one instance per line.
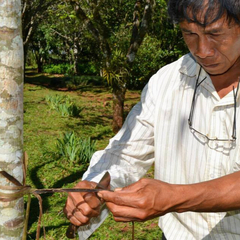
(190,68)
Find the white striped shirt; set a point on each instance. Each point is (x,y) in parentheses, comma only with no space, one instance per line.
(156,130)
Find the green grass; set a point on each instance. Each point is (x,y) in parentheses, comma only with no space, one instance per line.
(42,127)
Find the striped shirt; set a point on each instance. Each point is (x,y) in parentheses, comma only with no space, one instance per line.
(156,131)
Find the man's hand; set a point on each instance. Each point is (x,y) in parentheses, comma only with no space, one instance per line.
(80,207)
(149,198)
(143,200)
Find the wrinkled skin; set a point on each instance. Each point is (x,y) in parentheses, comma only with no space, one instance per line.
(140,201)
(150,198)
(216,48)
(137,202)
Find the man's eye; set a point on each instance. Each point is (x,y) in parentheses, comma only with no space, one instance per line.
(215,35)
(189,33)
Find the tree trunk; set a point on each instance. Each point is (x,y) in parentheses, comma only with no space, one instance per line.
(75,59)
(118,107)
(39,60)
(11,114)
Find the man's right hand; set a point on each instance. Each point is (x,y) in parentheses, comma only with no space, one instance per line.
(81,207)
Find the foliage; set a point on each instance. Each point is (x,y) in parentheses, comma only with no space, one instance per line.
(76,82)
(77,150)
(101,38)
(150,58)
(163,45)
(54,100)
(69,41)
(87,68)
(64,42)
(117,71)
(63,68)
(64,105)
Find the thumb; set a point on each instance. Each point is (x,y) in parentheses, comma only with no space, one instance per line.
(108,195)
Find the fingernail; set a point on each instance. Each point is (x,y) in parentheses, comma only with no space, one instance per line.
(99,194)
(117,189)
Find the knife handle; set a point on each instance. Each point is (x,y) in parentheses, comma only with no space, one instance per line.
(71,231)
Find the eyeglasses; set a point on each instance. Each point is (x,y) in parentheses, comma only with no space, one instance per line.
(235,92)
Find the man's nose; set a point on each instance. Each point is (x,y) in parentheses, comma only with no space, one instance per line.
(204,48)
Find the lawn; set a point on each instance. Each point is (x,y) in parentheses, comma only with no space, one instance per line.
(43,126)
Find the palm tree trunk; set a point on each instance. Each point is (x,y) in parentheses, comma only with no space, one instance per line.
(11,114)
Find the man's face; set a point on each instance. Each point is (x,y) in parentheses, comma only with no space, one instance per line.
(215,47)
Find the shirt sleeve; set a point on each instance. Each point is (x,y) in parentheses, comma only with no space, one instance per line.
(130,153)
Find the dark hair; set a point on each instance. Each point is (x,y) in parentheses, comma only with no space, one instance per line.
(213,10)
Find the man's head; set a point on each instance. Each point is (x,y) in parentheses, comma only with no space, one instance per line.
(211,30)
(204,12)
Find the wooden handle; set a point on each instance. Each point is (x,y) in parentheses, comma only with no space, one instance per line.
(71,231)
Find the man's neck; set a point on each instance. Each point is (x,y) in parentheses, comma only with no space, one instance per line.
(226,86)
(225,82)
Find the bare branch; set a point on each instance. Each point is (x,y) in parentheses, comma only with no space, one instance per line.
(61,35)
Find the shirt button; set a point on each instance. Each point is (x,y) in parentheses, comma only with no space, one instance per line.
(212,176)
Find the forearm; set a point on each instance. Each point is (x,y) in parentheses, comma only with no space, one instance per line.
(151,198)
(219,195)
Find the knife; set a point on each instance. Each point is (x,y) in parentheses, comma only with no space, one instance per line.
(102,185)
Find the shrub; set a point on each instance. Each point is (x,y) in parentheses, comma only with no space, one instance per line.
(54,100)
(75,149)
(69,109)
(87,68)
(75,82)
(152,55)
(63,68)
(64,105)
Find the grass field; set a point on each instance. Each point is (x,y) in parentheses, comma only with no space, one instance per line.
(43,126)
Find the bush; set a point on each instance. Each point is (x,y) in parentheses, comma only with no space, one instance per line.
(151,56)
(64,105)
(87,68)
(54,100)
(63,68)
(75,82)
(75,149)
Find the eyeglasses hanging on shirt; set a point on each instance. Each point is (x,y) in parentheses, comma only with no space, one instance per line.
(208,138)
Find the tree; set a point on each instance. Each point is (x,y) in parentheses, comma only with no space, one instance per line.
(33,13)
(60,39)
(162,45)
(125,50)
(11,113)
(69,31)
(95,17)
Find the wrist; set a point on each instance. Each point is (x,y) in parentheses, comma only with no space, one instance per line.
(200,197)
(193,197)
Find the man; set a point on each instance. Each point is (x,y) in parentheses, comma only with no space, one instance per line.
(187,124)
